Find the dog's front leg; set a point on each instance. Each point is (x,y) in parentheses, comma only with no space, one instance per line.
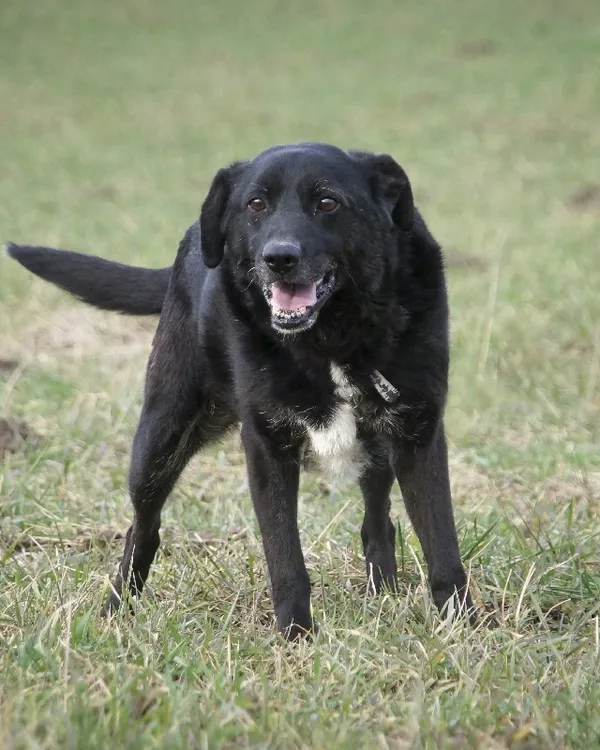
(377,531)
(422,473)
(273,472)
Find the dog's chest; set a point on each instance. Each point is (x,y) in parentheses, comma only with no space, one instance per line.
(336,443)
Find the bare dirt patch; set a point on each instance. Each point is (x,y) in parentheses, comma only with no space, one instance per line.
(474,49)
(70,335)
(584,198)
(8,365)
(13,435)
(457,259)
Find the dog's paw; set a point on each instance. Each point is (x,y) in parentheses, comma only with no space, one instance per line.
(381,576)
(294,620)
(381,568)
(111,605)
(455,599)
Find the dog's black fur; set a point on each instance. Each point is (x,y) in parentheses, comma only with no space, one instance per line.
(224,353)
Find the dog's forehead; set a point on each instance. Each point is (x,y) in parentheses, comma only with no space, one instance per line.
(304,163)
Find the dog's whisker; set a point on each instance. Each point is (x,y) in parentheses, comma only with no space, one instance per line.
(252,275)
(352,279)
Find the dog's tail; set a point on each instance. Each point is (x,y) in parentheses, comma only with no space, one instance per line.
(102,283)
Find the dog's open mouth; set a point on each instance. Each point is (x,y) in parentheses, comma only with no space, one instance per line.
(295,307)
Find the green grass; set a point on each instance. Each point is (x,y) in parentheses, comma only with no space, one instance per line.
(114,116)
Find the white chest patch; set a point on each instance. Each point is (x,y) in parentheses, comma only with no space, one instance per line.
(336,444)
(343,387)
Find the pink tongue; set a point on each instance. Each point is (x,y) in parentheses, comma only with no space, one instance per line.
(293,296)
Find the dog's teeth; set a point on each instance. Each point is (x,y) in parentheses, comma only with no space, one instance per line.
(289,316)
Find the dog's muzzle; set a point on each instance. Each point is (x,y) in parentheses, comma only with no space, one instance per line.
(295,307)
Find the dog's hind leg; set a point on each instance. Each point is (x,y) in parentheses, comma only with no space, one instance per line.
(165,440)
(174,424)
(423,477)
(377,531)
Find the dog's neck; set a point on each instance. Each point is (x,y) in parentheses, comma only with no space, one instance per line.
(360,344)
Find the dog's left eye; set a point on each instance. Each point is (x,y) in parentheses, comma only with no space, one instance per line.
(327,205)
(257,205)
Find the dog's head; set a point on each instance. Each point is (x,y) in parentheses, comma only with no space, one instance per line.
(300,222)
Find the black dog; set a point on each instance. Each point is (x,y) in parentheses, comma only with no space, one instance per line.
(308,303)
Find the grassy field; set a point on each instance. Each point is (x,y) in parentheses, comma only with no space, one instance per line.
(113,118)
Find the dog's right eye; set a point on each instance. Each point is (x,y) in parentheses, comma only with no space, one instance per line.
(327,205)
(256,204)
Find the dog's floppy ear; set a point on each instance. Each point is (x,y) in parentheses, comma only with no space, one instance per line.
(391,185)
(212,215)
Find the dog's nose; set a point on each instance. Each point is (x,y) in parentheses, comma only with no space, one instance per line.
(281,257)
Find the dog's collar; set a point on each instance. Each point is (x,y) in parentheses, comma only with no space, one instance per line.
(384,388)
